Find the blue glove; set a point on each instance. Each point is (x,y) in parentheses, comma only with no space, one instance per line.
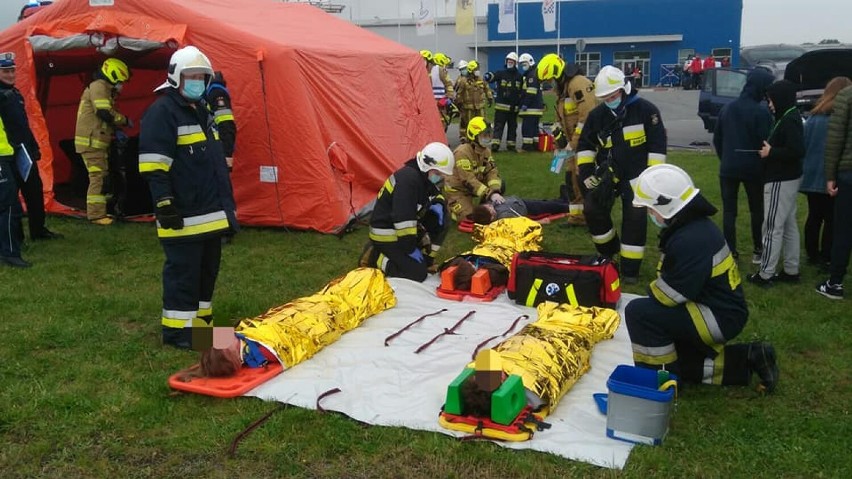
(439,212)
(416,255)
(524,108)
(449,102)
(120,136)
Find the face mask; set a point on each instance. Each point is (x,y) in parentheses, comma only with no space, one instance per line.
(436,179)
(660,224)
(484,141)
(523,69)
(193,89)
(613,104)
(119,87)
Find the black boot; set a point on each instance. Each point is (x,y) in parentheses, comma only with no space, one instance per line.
(761,360)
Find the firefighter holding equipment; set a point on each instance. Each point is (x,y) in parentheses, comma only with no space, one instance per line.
(696,304)
(473,95)
(620,139)
(532,103)
(182,159)
(409,221)
(97,119)
(575,99)
(475,175)
(510,84)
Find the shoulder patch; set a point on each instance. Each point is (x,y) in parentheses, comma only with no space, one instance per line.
(655,119)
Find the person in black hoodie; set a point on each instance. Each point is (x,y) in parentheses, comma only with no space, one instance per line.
(782,155)
(743,125)
(696,305)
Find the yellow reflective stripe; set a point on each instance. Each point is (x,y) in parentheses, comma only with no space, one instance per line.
(196,225)
(383,235)
(632,252)
(190,139)
(481,190)
(154,161)
(657,356)
(601,239)
(656,159)
(174,323)
(533,292)
(405,224)
(665,294)
(215,135)
(102,104)
(532,91)
(585,157)
(94,143)
(412,231)
(93,168)
(633,131)
(220,118)
(96,199)
(703,320)
(570,107)
(571,295)
(723,267)
(495,184)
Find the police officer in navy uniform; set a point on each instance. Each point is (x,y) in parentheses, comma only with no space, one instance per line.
(182,159)
(219,102)
(621,138)
(20,135)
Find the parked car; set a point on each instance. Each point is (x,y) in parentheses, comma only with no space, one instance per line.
(771,57)
(814,69)
(721,86)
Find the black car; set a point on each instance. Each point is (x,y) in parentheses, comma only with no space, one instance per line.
(813,70)
(721,86)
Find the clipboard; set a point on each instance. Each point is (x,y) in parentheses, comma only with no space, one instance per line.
(23,162)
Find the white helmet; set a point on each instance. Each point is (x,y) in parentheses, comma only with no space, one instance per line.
(527,58)
(188,59)
(436,156)
(512,56)
(609,80)
(462,65)
(664,188)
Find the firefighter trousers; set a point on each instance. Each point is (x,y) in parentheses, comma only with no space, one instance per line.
(390,258)
(688,340)
(98,168)
(11,229)
(503,119)
(529,132)
(189,278)
(634,227)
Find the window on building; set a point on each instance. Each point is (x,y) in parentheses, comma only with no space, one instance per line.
(633,62)
(722,55)
(683,54)
(590,62)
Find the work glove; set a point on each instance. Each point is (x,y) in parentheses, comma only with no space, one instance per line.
(560,139)
(168,216)
(120,136)
(524,108)
(416,255)
(439,212)
(592,182)
(497,199)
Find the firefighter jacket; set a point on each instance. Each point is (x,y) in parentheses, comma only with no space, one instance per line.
(575,100)
(402,202)
(510,87)
(475,173)
(17,126)
(697,269)
(442,86)
(628,139)
(219,102)
(181,157)
(473,93)
(97,117)
(532,101)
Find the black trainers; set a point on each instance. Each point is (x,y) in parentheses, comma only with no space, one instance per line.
(757,279)
(761,360)
(784,277)
(46,234)
(830,290)
(15,261)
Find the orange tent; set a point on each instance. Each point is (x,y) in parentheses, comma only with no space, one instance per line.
(325,110)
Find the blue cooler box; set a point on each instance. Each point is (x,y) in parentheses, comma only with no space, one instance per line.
(637,411)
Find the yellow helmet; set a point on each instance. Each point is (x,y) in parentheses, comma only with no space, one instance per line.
(115,70)
(426,54)
(477,126)
(550,67)
(442,60)
(472,66)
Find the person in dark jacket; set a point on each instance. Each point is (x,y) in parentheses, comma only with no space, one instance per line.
(20,135)
(532,103)
(742,126)
(782,155)
(507,101)
(820,203)
(218,100)
(696,305)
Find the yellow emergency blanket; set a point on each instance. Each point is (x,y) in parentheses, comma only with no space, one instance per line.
(552,353)
(299,329)
(501,239)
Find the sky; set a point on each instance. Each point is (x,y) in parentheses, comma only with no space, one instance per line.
(764,21)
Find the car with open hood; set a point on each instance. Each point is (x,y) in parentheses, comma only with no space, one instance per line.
(813,70)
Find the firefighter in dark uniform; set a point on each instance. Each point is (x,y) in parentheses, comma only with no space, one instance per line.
(182,159)
(409,221)
(532,103)
(620,139)
(510,85)
(696,304)
(218,100)
(18,131)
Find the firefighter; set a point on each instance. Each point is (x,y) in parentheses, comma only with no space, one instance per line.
(218,100)
(409,221)
(183,161)
(473,95)
(620,139)
(442,88)
(696,303)
(532,103)
(462,67)
(20,135)
(475,175)
(96,122)
(574,100)
(510,85)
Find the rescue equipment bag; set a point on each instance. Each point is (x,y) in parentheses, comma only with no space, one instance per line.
(579,280)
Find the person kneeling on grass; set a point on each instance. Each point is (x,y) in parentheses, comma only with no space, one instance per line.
(512,207)
(696,304)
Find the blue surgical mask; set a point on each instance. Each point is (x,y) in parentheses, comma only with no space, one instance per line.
(613,104)
(523,69)
(193,89)
(435,179)
(660,224)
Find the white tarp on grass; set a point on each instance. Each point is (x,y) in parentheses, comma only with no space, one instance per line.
(393,386)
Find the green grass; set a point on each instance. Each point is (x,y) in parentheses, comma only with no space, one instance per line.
(84,389)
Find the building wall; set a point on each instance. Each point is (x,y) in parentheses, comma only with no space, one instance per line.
(704,25)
